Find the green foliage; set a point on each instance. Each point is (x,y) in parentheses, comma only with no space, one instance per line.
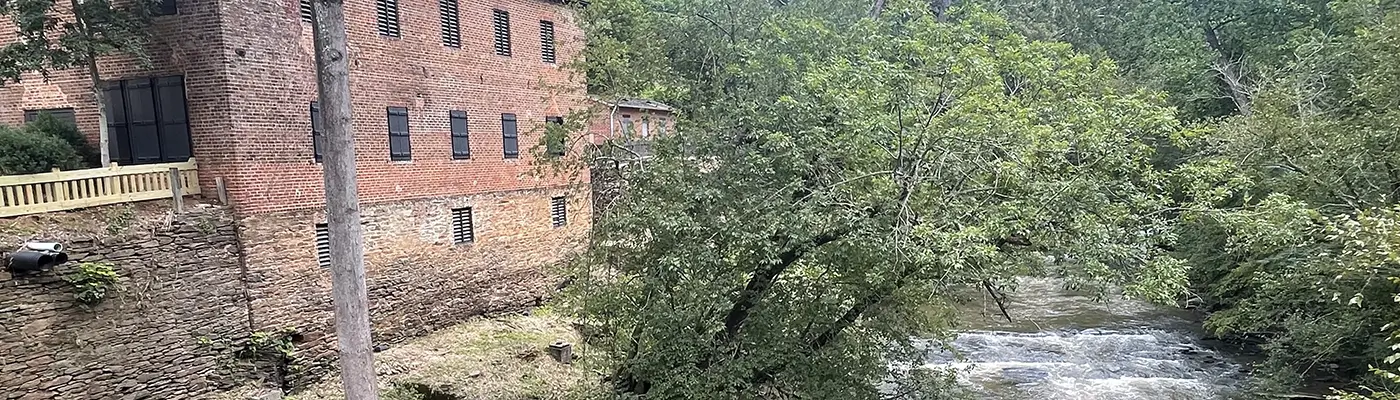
(49,125)
(834,174)
(92,282)
(50,39)
(28,151)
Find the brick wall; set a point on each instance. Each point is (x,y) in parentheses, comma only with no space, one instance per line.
(180,282)
(248,67)
(418,280)
(275,170)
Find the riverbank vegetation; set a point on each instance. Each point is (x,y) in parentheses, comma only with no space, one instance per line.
(840,164)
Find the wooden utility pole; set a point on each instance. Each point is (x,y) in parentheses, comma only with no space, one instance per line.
(343,202)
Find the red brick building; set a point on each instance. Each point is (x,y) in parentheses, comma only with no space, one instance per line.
(450,99)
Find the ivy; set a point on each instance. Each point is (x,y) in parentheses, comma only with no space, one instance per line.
(93,282)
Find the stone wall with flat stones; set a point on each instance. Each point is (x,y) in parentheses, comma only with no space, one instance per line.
(180,282)
(419,279)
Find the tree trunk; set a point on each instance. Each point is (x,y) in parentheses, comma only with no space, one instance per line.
(1229,71)
(343,203)
(96,80)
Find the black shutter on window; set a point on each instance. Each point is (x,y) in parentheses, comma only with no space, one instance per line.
(141,118)
(462,229)
(510,138)
(118,143)
(461,141)
(557,139)
(399,146)
(318,136)
(387,12)
(501,21)
(323,246)
(174,126)
(547,41)
(557,213)
(306,11)
(451,28)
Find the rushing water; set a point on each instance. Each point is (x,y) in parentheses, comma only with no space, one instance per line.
(1064,345)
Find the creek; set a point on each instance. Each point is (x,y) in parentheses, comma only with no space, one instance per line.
(1061,344)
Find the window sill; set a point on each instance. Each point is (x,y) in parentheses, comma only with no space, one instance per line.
(400,162)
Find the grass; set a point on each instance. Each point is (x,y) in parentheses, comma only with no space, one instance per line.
(495,358)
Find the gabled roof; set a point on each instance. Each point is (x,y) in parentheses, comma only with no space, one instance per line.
(637,103)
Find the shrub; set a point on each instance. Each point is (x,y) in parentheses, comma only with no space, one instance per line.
(27,151)
(49,125)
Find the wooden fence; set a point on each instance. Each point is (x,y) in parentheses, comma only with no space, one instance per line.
(67,190)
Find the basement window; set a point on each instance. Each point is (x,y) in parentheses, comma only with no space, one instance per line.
(557,213)
(323,246)
(462,229)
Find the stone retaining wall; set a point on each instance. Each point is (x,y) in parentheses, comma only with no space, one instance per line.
(180,282)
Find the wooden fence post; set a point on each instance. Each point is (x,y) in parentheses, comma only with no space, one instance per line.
(223,191)
(176,189)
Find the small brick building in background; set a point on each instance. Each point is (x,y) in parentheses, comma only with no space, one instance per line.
(449,100)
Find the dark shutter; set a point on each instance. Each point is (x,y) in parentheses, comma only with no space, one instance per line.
(61,114)
(166,7)
(510,138)
(451,28)
(462,230)
(461,142)
(557,139)
(174,125)
(306,11)
(501,21)
(118,139)
(387,12)
(547,41)
(323,246)
(318,136)
(141,120)
(557,213)
(399,149)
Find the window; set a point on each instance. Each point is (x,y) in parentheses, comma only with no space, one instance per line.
(306,11)
(451,27)
(461,142)
(399,146)
(462,230)
(323,246)
(501,20)
(547,41)
(557,215)
(165,7)
(510,138)
(318,136)
(557,139)
(61,114)
(661,126)
(646,127)
(388,13)
(626,125)
(146,121)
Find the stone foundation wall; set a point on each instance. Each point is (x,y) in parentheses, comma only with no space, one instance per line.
(181,281)
(418,279)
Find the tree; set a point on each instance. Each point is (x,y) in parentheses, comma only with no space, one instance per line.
(348,291)
(1207,54)
(837,174)
(53,36)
